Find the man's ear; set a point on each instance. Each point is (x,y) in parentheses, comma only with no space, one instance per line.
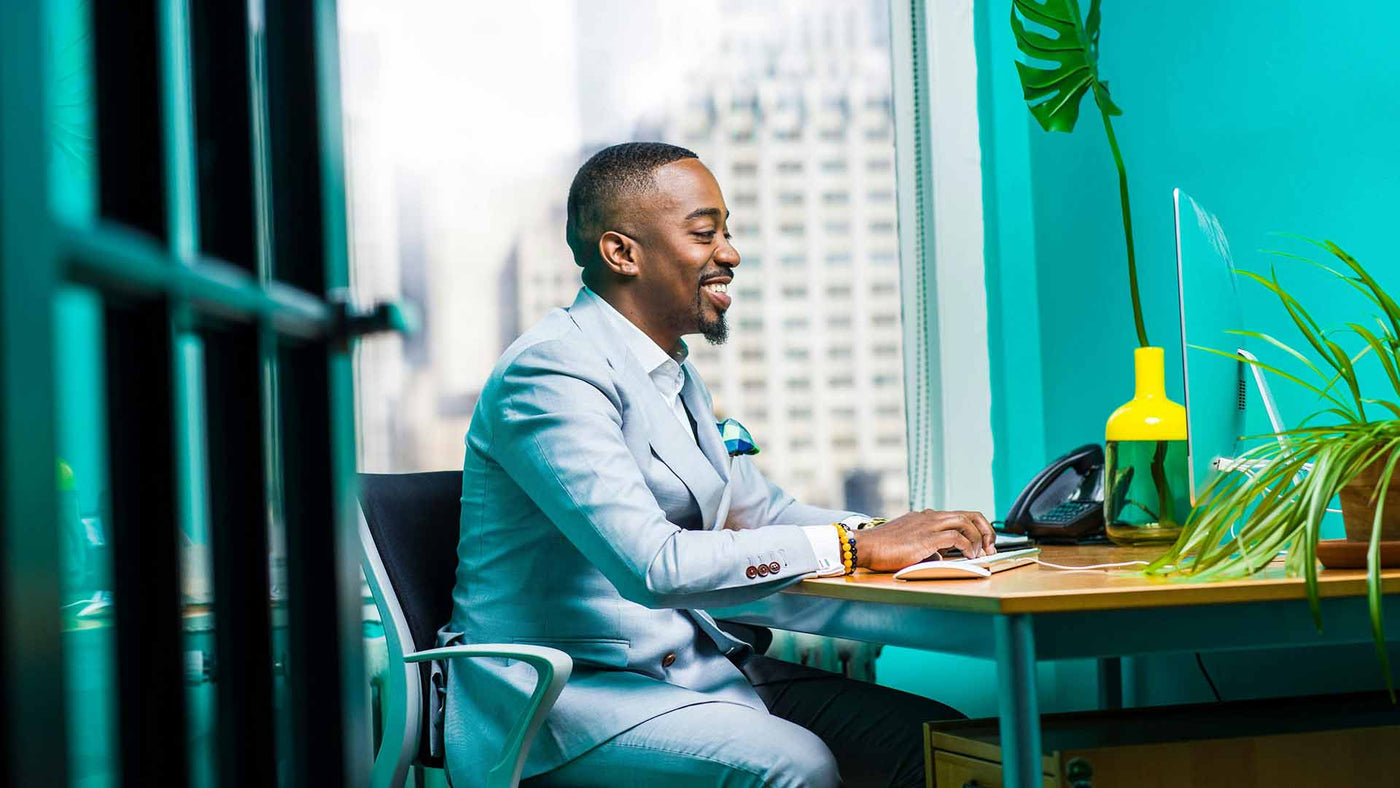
(620,254)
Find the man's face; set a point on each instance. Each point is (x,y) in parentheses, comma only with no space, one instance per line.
(687,258)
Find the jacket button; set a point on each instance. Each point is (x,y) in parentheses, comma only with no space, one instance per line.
(751,572)
(668,660)
(763,570)
(773,568)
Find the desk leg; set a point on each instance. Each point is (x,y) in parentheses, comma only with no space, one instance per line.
(1018,707)
(1110,682)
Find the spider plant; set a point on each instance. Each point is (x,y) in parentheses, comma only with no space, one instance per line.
(1244,519)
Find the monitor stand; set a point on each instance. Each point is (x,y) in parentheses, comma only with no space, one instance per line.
(1270,407)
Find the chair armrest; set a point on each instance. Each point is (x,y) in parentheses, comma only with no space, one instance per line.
(552,670)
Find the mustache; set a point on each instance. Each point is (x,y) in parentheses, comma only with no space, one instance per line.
(707,278)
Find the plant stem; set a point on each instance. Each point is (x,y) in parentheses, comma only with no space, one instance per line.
(1165,504)
(1127,229)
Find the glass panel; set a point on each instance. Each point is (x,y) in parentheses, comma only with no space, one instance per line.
(223,130)
(294,170)
(787,103)
(131,161)
(89,628)
(238,514)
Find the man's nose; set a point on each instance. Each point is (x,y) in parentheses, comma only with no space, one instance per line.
(727,254)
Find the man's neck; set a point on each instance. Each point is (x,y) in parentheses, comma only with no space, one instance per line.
(635,314)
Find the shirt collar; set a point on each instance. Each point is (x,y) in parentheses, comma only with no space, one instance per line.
(643,348)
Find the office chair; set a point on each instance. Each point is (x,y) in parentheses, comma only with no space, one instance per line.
(409,530)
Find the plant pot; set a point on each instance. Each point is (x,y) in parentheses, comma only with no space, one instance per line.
(1359,512)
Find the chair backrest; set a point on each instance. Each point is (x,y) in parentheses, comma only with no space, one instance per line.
(413,521)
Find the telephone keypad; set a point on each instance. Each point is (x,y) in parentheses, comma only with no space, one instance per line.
(1068,511)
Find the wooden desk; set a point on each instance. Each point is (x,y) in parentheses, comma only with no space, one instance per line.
(1036,613)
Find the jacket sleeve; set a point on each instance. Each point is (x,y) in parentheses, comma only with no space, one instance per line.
(557,431)
(757,502)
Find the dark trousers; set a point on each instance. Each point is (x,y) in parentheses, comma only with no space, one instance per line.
(876,733)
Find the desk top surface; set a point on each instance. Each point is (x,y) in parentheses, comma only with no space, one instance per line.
(1040,589)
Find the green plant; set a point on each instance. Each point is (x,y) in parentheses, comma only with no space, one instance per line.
(1053,93)
(1243,520)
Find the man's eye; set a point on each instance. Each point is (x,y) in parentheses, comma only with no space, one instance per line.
(707,235)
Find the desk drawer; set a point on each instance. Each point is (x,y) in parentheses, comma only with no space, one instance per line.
(951,770)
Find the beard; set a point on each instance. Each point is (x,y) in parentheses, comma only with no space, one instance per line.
(715,331)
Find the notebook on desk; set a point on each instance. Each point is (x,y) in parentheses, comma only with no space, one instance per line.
(968,568)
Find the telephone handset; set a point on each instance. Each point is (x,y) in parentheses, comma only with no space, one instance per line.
(1064,502)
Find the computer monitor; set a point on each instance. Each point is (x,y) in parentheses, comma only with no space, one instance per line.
(1215,385)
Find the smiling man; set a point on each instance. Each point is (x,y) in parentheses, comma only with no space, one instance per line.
(602,513)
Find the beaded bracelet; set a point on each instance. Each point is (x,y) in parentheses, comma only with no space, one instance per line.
(848,547)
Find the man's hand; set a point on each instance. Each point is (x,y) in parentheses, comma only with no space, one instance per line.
(916,536)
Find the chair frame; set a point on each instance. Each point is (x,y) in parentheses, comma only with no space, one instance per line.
(399,745)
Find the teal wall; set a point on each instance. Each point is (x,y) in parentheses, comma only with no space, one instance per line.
(1279,118)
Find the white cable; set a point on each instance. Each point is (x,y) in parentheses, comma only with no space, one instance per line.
(1091,566)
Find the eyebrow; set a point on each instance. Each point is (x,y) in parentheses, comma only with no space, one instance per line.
(712,213)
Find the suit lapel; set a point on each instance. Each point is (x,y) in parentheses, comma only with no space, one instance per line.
(670,439)
(708,432)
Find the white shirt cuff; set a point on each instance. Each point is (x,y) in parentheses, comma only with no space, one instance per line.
(827,546)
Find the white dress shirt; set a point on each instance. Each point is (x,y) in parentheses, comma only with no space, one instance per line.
(666,374)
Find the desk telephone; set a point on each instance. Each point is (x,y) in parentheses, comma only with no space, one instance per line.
(1064,502)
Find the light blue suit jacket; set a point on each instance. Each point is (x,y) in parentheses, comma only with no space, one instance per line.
(592,522)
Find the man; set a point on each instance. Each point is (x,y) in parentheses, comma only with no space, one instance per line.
(601,514)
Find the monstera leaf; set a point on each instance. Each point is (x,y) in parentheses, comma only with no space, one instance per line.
(1054,93)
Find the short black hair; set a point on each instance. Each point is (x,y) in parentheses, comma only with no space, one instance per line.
(610,174)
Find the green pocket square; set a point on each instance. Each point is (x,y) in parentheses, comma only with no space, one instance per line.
(737,440)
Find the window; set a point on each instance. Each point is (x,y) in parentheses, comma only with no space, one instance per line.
(882,228)
(796,354)
(777,153)
(838,291)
